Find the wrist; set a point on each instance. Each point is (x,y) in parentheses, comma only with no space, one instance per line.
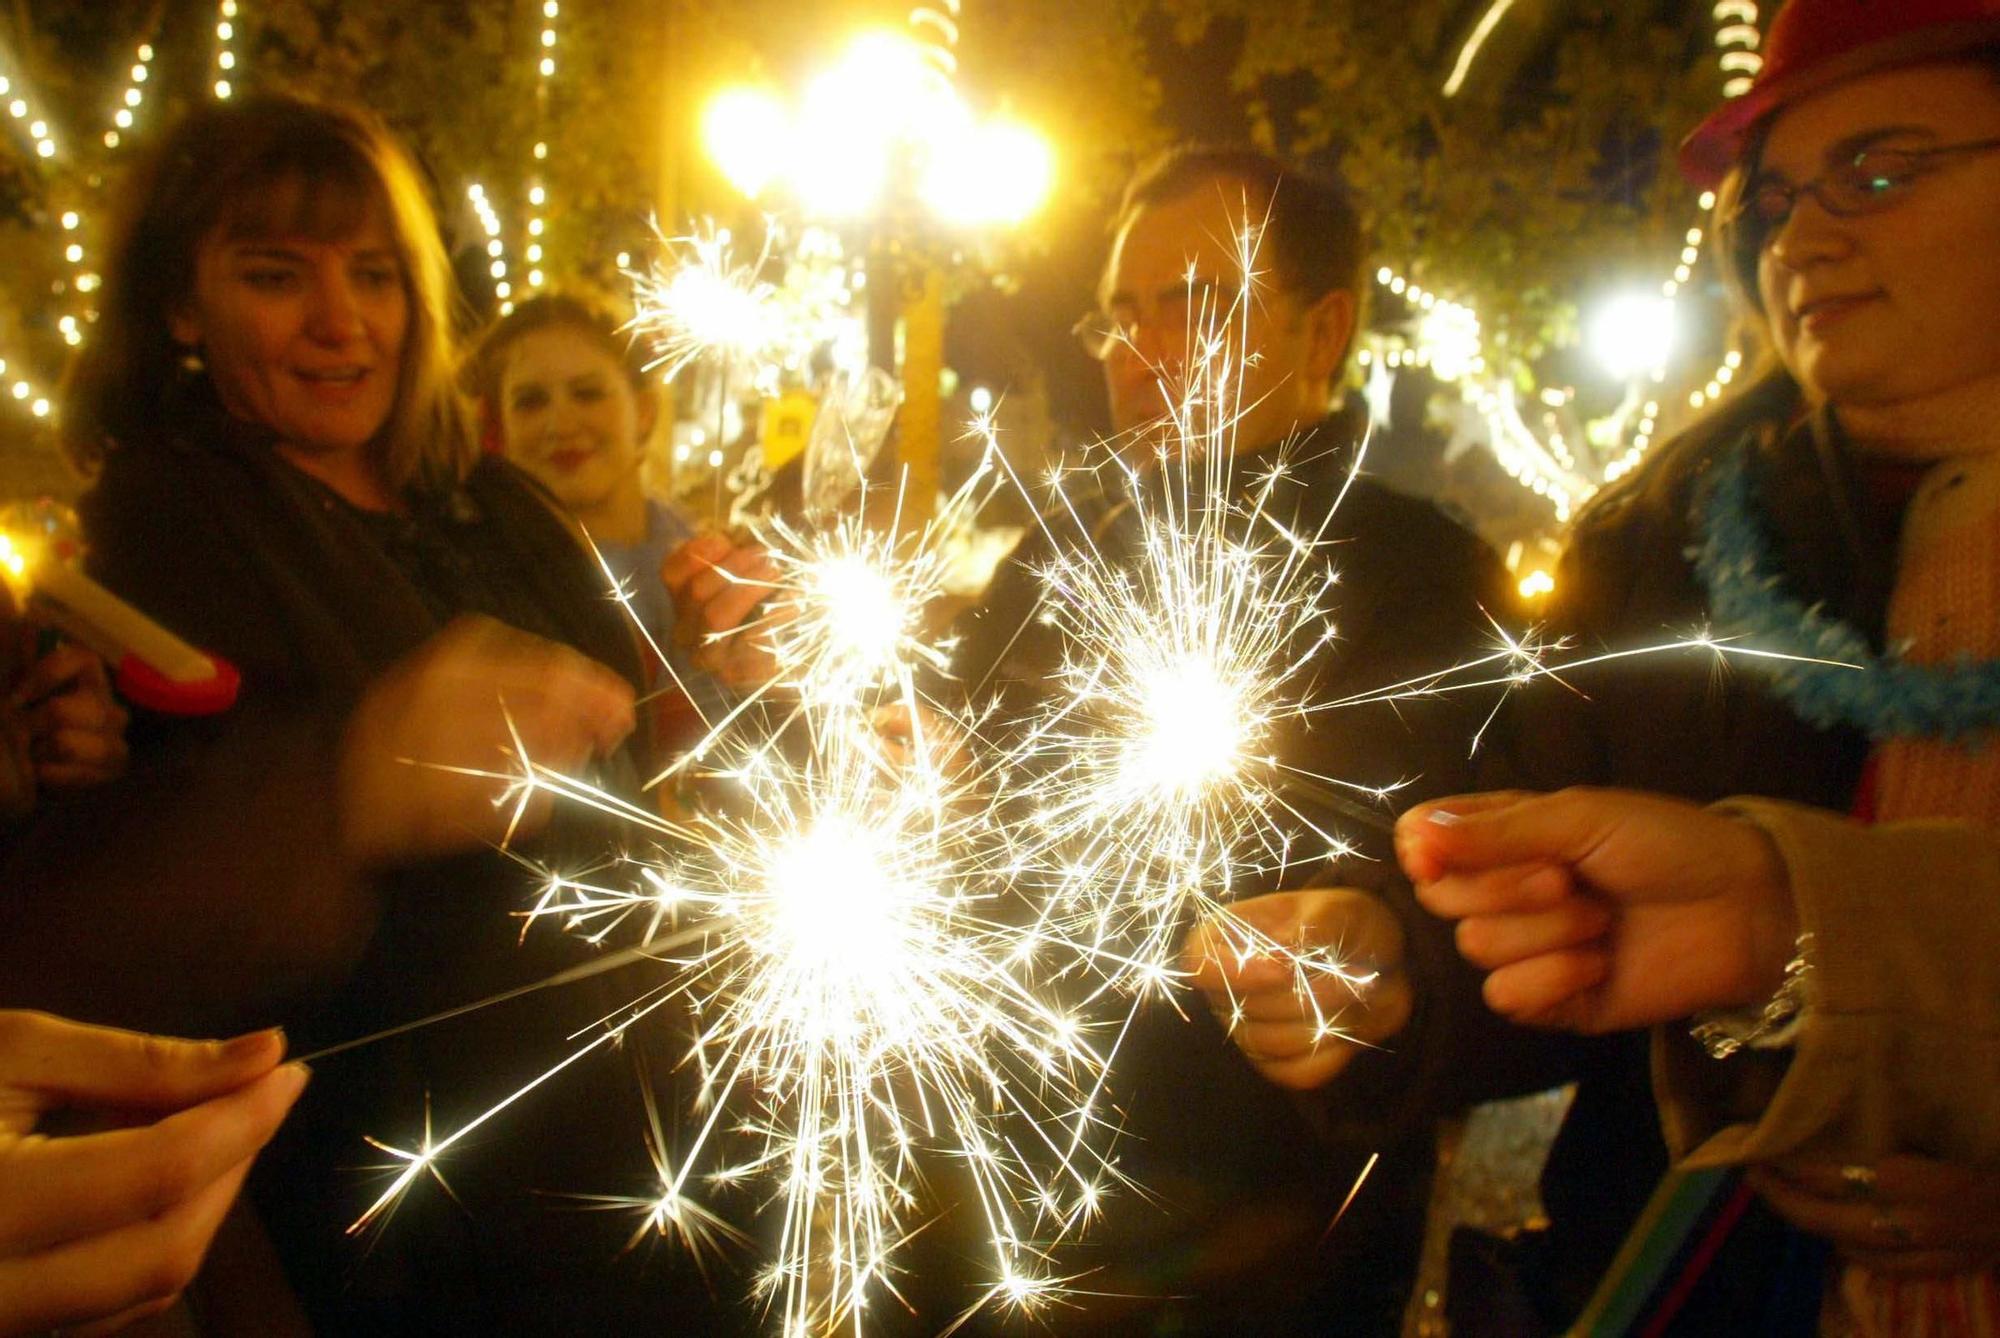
(1767,1008)
(1771,918)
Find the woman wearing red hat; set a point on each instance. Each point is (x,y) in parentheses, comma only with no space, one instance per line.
(1845,507)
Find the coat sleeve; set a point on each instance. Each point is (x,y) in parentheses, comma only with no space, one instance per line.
(1900,1048)
(1421,591)
(1456,1052)
(205,891)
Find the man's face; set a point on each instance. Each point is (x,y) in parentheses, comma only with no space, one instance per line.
(1176,268)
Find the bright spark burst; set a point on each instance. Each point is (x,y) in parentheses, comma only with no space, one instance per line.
(699,302)
(852,959)
(1153,768)
(844,619)
(764,318)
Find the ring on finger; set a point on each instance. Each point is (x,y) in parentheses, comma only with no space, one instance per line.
(1886,1224)
(1860,1181)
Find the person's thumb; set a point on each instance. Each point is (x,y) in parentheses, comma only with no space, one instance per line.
(1471,833)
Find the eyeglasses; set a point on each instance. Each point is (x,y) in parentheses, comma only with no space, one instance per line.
(1181,308)
(1872,181)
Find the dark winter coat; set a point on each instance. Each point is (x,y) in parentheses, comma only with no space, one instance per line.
(204,894)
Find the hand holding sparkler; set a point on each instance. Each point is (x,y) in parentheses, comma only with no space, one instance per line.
(717,587)
(1298,1025)
(476,692)
(1599,910)
(109,1227)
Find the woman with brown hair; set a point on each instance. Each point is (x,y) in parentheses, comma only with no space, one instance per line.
(284,475)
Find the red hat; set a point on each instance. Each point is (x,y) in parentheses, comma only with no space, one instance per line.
(1814,44)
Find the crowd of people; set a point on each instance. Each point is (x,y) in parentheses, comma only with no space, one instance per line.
(1753,919)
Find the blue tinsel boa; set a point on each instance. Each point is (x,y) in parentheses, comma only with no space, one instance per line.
(1882,696)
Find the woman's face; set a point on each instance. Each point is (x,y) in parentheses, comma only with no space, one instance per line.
(304,337)
(1897,304)
(570,416)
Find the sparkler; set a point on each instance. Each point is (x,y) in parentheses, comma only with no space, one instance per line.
(1154,774)
(844,621)
(700,302)
(1190,634)
(843,939)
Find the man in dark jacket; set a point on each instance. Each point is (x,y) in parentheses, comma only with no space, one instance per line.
(1246,1177)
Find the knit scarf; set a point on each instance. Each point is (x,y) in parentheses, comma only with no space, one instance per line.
(1945,607)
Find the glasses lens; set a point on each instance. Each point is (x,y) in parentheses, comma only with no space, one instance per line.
(1767,207)
(1871,181)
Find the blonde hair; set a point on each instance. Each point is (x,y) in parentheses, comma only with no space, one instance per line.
(264,166)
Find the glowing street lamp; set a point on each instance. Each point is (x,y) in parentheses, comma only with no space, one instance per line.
(1001,175)
(884,119)
(748,132)
(1633,334)
(884,136)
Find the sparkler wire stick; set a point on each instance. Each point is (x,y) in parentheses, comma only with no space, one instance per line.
(1315,791)
(611,962)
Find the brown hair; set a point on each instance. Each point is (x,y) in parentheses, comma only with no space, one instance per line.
(549,311)
(267,165)
(1318,244)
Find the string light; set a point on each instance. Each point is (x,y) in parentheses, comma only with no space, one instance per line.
(1732,363)
(1470,51)
(125,110)
(225,48)
(15,384)
(538,195)
(1447,338)
(1739,38)
(496,246)
(1447,341)
(20,390)
(24,112)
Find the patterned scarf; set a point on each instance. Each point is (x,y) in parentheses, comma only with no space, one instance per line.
(1945,607)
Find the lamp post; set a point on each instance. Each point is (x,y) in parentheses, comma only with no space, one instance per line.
(883,142)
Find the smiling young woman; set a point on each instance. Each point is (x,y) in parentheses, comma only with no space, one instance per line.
(564,394)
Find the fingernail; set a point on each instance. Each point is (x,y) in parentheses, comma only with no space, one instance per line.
(1444,817)
(253,1043)
(300,1073)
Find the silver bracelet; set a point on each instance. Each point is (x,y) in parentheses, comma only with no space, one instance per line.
(1723,1034)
